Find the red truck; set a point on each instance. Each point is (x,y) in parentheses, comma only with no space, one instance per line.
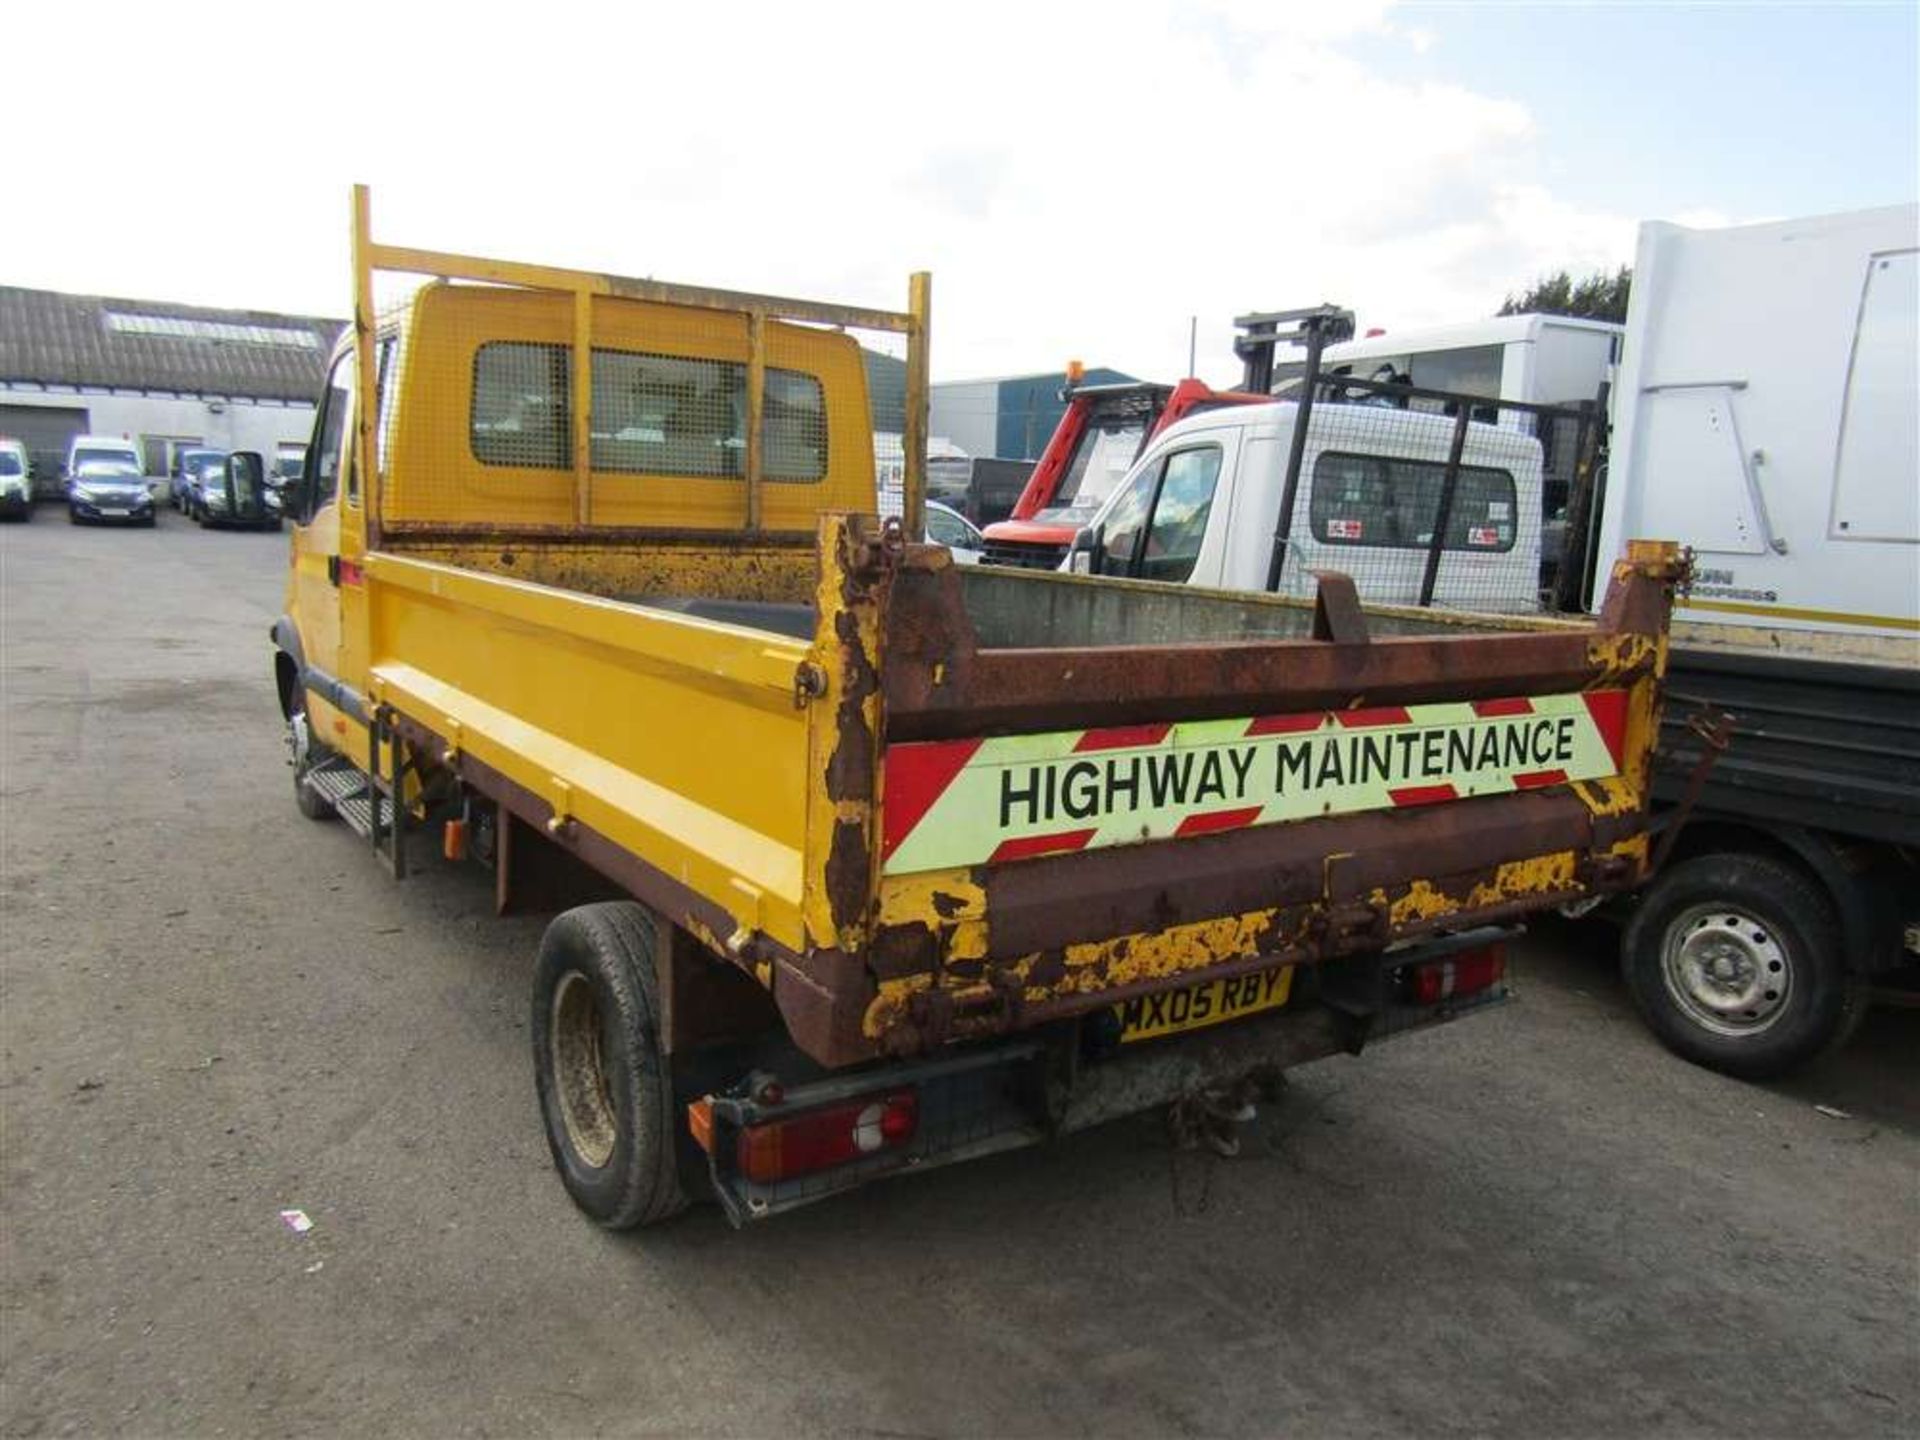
(1103,431)
(1106,427)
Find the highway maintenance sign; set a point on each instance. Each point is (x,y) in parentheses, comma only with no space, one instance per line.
(967,802)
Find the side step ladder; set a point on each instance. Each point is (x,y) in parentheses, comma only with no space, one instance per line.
(366,802)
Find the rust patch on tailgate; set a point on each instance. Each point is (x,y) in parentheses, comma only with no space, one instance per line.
(941,683)
(1136,889)
(912,1012)
(841,686)
(1036,690)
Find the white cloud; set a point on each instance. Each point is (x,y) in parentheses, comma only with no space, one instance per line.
(1080,179)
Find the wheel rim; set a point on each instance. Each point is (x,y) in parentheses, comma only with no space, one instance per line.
(579,1070)
(299,742)
(1730,972)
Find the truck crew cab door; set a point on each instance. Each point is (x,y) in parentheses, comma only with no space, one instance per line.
(314,588)
(1164,525)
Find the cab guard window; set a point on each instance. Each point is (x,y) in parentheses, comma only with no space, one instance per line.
(652,414)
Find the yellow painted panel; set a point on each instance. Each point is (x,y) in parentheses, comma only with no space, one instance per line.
(676,738)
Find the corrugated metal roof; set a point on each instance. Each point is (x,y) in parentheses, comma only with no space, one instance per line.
(51,338)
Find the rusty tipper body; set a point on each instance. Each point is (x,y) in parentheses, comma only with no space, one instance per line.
(891,861)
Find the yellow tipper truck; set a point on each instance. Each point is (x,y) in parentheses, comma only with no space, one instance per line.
(889,861)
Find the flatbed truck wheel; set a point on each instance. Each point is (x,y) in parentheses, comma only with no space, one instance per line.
(605,1084)
(1735,961)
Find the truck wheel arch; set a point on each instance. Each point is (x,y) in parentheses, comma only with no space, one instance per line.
(289,661)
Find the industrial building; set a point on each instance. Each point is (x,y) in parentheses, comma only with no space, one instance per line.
(1010,416)
(162,375)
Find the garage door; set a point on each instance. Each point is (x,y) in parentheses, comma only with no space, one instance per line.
(45,430)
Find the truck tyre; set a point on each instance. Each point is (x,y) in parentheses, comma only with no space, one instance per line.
(1735,962)
(605,1085)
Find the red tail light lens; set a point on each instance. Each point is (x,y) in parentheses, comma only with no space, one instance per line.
(1465,973)
(819,1139)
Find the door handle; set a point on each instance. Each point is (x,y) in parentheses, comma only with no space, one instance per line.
(333,571)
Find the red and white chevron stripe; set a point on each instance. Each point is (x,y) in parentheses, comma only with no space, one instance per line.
(963,802)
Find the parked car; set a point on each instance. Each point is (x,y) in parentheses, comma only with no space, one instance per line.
(16,481)
(109,490)
(233,490)
(194,483)
(187,466)
(116,449)
(947,526)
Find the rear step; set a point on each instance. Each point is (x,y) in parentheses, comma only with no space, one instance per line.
(366,808)
(342,785)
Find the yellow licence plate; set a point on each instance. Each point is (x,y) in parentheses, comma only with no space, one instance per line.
(1147,1017)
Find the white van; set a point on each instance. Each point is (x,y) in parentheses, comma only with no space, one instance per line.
(101,447)
(1199,507)
(16,479)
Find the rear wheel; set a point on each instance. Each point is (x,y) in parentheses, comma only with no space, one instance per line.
(1736,963)
(604,1082)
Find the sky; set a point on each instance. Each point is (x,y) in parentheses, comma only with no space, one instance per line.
(1081,179)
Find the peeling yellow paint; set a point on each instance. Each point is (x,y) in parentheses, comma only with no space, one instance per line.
(1186,950)
(1537,875)
(892,1004)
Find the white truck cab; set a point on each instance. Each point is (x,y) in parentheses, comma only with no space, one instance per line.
(1199,507)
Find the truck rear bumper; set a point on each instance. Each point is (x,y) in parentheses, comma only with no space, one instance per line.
(1021,1092)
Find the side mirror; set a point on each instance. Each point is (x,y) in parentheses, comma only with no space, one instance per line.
(247,468)
(246,479)
(1083,556)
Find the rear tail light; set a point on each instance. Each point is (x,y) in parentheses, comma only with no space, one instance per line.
(810,1140)
(1468,972)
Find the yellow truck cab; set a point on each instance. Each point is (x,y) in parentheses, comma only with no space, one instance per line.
(886,862)
(475,440)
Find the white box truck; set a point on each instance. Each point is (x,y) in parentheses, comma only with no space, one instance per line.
(1765,415)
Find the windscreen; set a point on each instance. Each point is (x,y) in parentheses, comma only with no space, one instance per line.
(1106,452)
(10,463)
(123,458)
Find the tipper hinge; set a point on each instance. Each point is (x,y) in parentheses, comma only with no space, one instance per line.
(809,683)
